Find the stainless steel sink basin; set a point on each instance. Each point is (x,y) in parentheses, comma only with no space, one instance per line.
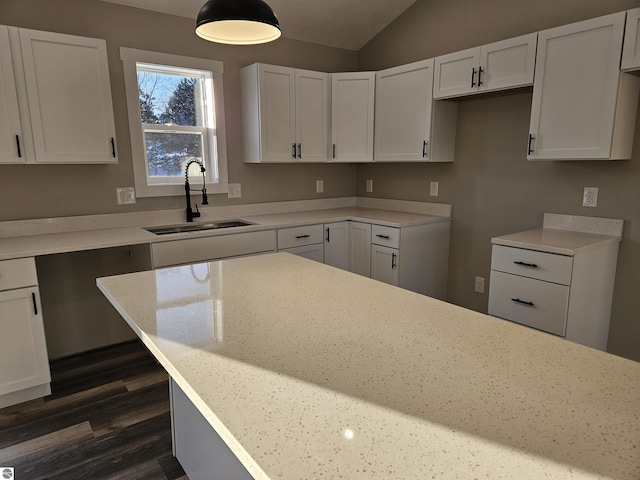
(197,227)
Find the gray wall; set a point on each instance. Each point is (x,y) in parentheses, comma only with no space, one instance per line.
(39,191)
(493,189)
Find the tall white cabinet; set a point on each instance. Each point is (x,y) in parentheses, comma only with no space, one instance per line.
(336,244)
(23,351)
(352,109)
(285,114)
(403,113)
(582,107)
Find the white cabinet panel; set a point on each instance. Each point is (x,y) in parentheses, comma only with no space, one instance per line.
(631,49)
(529,263)
(576,93)
(11,141)
(535,303)
(285,114)
(296,236)
(352,107)
(69,97)
(384,264)
(336,245)
(312,116)
(313,252)
(360,248)
(23,351)
(403,113)
(386,236)
(497,66)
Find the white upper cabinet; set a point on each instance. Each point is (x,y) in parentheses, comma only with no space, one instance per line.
(582,108)
(352,107)
(631,50)
(497,66)
(403,113)
(11,139)
(69,97)
(285,114)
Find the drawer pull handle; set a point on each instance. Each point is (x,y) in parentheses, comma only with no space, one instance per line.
(525,264)
(303,236)
(393,260)
(517,300)
(386,237)
(328,233)
(35,305)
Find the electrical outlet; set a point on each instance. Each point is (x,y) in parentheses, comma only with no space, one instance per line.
(319,186)
(369,186)
(433,189)
(235,190)
(590,197)
(479,285)
(126,195)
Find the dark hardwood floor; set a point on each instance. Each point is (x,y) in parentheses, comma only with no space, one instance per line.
(107,418)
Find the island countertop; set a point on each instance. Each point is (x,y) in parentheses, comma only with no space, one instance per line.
(310,372)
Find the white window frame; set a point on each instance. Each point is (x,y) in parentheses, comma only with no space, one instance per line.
(130,57)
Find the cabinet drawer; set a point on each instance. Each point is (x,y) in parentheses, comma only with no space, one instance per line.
(386,236)
(18,273)
(298,236)
(529,263)
(530,302)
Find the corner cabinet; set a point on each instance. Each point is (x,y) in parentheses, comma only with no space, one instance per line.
(23,351)
(631,48)
(64,94)
(497,66)
(352,107)
(403,113)
(285,114)
(583,107)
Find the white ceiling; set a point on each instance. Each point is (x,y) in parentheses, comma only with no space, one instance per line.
(346,24)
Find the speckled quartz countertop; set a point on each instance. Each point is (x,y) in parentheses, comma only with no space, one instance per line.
(566,234)
(310,372)
(70,236)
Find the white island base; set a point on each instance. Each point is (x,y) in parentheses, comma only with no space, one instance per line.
(305,371)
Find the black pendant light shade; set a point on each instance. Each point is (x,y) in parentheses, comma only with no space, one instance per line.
(237,22)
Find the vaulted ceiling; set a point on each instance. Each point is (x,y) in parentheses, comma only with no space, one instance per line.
(348,24)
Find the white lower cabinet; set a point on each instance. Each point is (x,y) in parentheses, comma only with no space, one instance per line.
(313,252)
(565,295)
(384,264)
(204,249)
(360,248)
(23,351)
(336,245)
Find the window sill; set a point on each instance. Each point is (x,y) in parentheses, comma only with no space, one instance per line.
(178,190)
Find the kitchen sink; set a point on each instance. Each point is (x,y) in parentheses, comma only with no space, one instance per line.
(197,227)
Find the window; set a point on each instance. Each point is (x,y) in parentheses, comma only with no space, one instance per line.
(176,115)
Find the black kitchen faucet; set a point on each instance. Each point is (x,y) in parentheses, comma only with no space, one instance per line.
(187,189)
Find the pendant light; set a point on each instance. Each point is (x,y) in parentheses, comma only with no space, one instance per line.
(237,22)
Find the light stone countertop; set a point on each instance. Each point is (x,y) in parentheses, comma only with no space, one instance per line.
(96,237)
(562,242)
(310,372)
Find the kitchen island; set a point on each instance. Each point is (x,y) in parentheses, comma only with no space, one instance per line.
(310,372)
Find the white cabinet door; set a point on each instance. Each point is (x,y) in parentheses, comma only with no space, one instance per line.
(277,113)
(403,113)
(501,65)
(11,142)
(336,244)
(360,248)
(23,351)
(384,264)
(456,73)
(69,95)
(352,102)
(575,89)
(507,64)
(312,116)
(631,49)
